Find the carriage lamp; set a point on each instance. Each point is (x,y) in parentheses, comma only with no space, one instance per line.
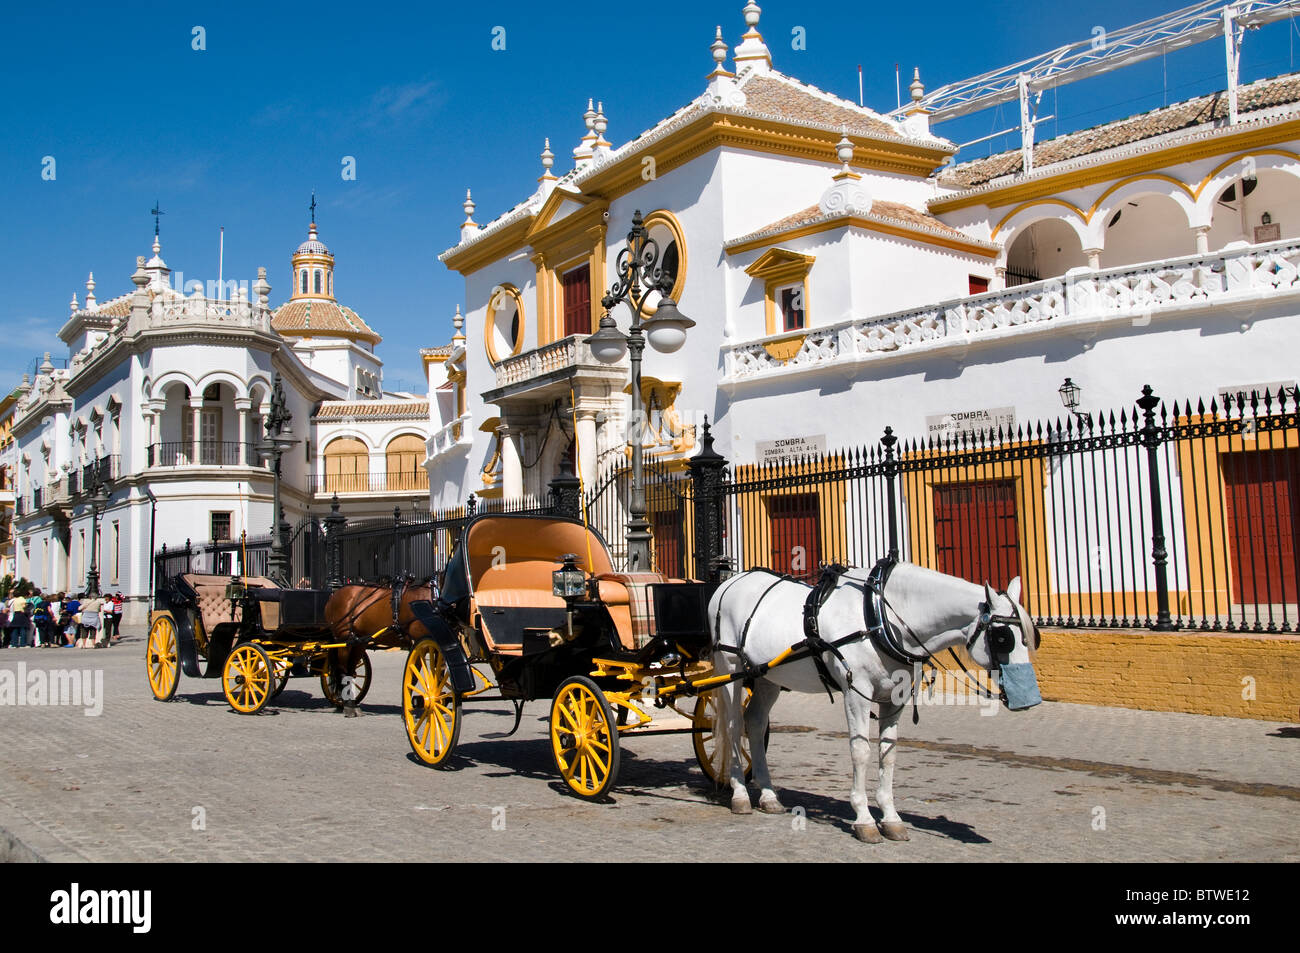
(1070,392)
(235,589)
(639,271)
(569,582)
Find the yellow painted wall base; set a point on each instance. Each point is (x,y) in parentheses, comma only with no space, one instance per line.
(1195,672)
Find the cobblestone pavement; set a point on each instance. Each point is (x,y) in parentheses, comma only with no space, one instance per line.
(299,782)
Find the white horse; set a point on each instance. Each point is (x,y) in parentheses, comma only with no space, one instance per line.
(926,612)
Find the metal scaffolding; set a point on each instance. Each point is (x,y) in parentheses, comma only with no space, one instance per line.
(1103,52)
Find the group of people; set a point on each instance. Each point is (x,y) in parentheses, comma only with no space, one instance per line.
(62,620)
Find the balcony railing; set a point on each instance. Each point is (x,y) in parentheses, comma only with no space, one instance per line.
(105,469)
(211,453)
(455,434)
(1133,293)
(383,481)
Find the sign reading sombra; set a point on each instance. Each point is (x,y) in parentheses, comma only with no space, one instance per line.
(971,421)
(790,448)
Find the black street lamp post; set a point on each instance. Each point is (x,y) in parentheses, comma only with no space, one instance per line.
(278,441)
(640,272)
(98,503)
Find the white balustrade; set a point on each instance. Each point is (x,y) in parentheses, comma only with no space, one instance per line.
(1131,292)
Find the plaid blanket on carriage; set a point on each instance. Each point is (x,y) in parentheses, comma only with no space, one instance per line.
(640,604)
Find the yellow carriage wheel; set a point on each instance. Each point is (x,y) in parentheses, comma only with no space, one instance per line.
(584,738)
(705,737)
(331,682)
(430,705)
(248,678)
(283,668)
(162,658)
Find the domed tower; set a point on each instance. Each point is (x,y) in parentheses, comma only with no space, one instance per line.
(313,268)
(328,337)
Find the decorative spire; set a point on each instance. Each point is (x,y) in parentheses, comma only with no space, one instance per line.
(72,305)
(156,211)
(90,292)
(262,287)
(313,209)
(586,146)
(844,151)
(719,50)
(752,53)
(917,88)
(846,193)
(469,227)
(548,160)
(601,125)
(916,120)
(47,366)
(458,323)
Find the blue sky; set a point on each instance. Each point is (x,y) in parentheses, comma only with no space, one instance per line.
(238,135)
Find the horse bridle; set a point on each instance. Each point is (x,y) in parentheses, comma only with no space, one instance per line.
(1000,639)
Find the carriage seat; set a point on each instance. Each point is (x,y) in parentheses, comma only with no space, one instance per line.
(215,609)
(627,596)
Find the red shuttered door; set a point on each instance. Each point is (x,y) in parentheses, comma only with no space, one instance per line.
(975,531)
(577,301)
(1261,491)
(666,527)
(796,534)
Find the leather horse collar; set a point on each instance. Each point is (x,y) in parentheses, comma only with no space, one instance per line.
(875,608)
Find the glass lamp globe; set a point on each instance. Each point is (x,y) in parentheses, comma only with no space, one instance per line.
(666,328)
(609,344)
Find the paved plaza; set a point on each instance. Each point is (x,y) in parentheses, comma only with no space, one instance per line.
(191,780)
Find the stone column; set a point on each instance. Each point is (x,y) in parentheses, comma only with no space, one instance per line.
(587,451)
(243,405)
(1094,258)
(1202,240)
(999,279)
(196,418)
(512,470)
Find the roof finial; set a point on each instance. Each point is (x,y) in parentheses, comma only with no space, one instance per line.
(719,49)
(468,227)
(585,147)
(458,323)
(548,160)
(313,207)
(602,145)
(156,211)
(917,87)
(90,291)
(72,305)
(753,52)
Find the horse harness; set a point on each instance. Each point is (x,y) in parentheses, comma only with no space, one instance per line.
(880,629)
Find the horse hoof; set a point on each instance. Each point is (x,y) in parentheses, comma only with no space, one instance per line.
(770,805)
(351,712)
(867,833)
(741,805)
(894,830)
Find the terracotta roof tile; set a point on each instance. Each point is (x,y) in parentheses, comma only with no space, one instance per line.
(894,212)
(318,316)
(372,409)
(1200,111)
(781,96)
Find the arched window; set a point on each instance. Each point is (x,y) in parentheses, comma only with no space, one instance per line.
(317,281)
(403,457)
(304,281)
(347,466)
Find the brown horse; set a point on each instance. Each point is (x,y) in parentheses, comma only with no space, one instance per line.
(362,616)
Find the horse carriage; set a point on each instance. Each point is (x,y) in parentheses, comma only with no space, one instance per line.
(254,636)
(537,600)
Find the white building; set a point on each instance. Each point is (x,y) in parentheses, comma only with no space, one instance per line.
(162,401)
(846,274)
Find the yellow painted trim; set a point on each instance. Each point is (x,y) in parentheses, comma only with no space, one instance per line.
(669,221)
(1020,208)
(1237,158)
(779,267)
(832,508)
(1158,176)
(511,292)
(1197,672)
(488,250)
(871,225)
(1025,192)
(786,348)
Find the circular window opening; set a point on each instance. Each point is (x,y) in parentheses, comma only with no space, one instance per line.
(504,326)
(672,257)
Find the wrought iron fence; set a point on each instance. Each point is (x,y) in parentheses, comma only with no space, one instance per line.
(1157,515)
(668,510)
